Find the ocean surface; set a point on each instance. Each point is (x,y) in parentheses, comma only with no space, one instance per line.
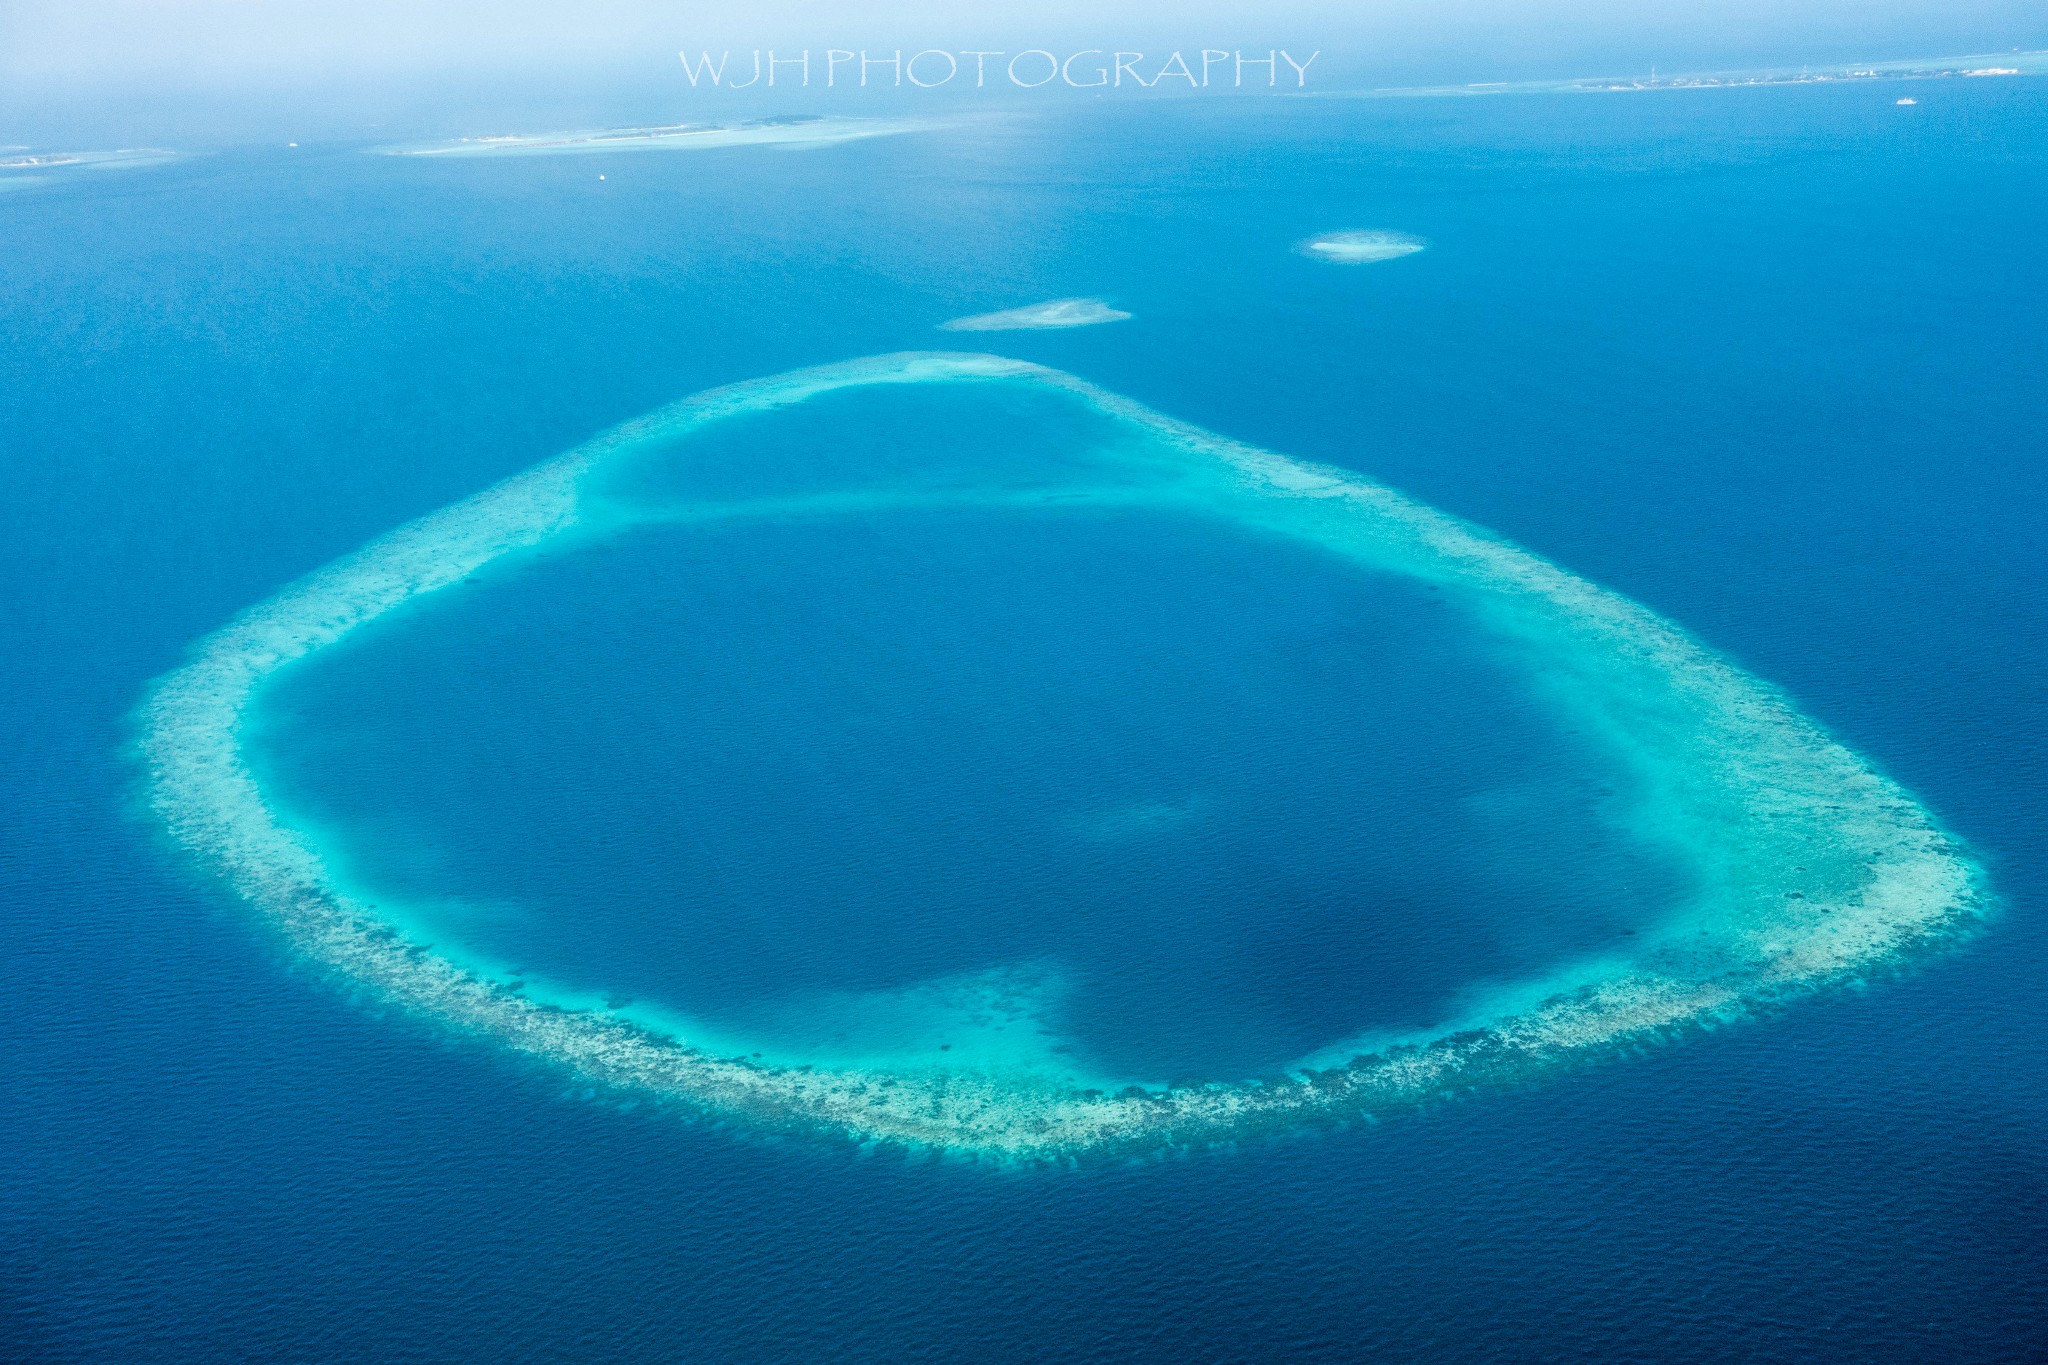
(909,726)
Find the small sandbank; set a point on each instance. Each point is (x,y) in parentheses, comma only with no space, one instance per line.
(1360,247)
(1039,316)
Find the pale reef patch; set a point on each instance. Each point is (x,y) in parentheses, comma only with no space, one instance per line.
(795,132)
(1360,247)
(1052,313)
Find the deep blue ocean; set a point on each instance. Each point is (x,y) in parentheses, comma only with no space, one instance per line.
(1767,361)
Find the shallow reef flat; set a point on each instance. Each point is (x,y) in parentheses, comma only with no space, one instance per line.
(790,132)
(1805,868)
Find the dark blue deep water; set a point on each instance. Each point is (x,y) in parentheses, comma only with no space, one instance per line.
(1767,361)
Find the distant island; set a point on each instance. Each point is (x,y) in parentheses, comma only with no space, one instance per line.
(21,168)
(1918,69)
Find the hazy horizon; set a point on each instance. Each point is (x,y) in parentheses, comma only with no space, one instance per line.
(219,68)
